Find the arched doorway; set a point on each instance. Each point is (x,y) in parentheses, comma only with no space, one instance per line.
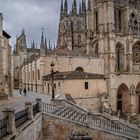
(123,99)
(138,93)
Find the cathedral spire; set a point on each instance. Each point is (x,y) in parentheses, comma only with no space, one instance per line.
(83,7)
(46,43)
(62,9)
(33,45)
(89,5)
(49,45)
(80,8)
(42,40)
(74,7)
(54,47)
(65,7)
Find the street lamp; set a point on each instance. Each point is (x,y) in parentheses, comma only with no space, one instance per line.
(52,76)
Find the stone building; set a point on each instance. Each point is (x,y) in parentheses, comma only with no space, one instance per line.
(20,54)
(110,46)
(5,63)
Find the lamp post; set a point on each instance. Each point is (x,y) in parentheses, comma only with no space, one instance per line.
(52,76)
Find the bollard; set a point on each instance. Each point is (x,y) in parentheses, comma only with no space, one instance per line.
(39,102)
(10,115)
(29,106)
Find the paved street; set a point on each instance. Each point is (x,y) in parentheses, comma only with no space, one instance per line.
(18,101)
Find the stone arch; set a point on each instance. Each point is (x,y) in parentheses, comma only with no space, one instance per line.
(119,57)
(79,69)
(123,99)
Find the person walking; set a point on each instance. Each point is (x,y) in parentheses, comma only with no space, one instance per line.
(24,91)
(20,90)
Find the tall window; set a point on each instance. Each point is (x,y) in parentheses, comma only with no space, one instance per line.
(38,74)
(119,21)
(78,25)
(79,39)
(96,49)
(48,88)
(33,75)
(86,85)
(96,16)
(119,57)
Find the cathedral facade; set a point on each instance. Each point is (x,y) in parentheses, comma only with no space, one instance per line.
(98,49)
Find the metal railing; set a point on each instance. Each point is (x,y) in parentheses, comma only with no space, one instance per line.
(3,127)
(21,117)
(35,108)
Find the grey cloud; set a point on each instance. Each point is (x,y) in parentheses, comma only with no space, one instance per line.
(31,15)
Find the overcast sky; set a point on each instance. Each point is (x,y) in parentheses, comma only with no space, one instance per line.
(31,15)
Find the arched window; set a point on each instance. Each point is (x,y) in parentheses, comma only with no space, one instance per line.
(119,57)
(136,53)
(79,69)
(38,74)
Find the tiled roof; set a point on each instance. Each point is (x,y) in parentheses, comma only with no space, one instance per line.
(73,75)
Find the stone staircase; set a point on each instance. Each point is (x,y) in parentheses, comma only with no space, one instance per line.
(65,112)
(95,121)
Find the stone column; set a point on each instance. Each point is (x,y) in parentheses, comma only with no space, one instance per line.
(39,101)
(29,106)
(10,115)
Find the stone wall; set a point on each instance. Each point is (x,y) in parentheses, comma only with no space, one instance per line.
(57,129)
(31,130)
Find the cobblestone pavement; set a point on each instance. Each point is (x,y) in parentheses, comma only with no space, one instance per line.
(18,101)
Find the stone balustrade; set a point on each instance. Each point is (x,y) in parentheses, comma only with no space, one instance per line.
(94,121)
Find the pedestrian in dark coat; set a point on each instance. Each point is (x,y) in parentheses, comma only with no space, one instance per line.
(25,92)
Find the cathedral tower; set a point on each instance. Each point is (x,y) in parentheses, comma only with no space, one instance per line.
(72,25)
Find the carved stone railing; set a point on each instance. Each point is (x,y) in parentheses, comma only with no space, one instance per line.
(112,126)
(64,112)
(94,121)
